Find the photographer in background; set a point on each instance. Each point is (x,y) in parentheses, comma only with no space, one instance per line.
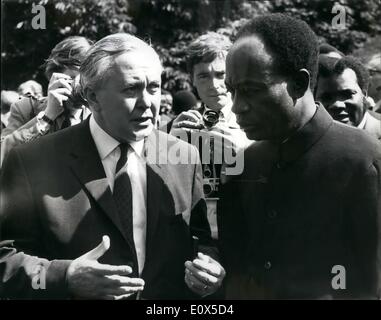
(30,88)
(7,99)
(215,119)
(33,117)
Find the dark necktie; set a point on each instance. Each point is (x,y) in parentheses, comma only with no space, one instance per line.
(123,199)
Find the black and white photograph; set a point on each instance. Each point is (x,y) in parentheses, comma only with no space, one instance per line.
(204,151)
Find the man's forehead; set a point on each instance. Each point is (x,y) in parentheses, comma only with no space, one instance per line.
(249,58)
(347,78)
(336,82)
(218,64)
(249,47)
(138,60)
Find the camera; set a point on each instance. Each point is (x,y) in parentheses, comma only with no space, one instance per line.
(211,179)
(210,118)
(210,186)
(76,98)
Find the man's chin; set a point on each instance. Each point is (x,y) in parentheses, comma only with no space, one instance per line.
(141,133)
(218,104)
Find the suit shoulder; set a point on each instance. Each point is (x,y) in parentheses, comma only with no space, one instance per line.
(354,140)
(27,105)
(56,139)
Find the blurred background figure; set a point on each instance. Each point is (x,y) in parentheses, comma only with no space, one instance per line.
(165,113)
(30,88)
(183,100)
(326,49)
(370,55)
(7,99)
(374,68)
(166,102)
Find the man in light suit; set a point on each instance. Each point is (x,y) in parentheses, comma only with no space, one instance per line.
(110,176)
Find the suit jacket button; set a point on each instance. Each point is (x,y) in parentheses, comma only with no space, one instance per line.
(267,265)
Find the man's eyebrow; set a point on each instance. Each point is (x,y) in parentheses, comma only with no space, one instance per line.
(250,82)
(132,82)
(201,73)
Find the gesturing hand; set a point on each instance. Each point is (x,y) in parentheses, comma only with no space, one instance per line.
(89,279)
(204,275)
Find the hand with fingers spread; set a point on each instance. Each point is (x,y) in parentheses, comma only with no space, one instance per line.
(60,89)
(204,275)
(89,279)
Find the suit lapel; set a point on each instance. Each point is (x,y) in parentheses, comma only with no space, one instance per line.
(88,169)
(155,187)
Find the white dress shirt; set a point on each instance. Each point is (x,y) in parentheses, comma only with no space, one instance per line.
(109,152)
(363,121)
(228,124)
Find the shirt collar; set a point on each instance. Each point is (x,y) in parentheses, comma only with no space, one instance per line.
(301,141)
(76,114)
(363,121)
(107,144)
(226,114)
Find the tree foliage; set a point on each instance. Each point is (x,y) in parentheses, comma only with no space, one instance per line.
(169,25)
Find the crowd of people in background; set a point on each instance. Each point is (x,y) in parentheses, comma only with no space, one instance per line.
(305,118)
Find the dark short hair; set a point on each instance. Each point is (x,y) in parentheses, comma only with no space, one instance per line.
(69,53)
(292,41)
(206,48)
(329,67)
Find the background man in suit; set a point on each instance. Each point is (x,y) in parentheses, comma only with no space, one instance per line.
(343,88)
(35,116)
(62,193)
(308,201)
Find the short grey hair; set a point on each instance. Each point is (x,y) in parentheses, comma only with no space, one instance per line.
(101,56)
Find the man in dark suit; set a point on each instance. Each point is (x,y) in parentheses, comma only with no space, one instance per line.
(303,219)
(112,175)
(34,116)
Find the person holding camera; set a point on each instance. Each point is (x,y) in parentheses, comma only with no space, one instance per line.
(206,65)
(33,117)
(214,121)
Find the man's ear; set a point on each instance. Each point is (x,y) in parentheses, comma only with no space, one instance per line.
(91,98)
(300,84)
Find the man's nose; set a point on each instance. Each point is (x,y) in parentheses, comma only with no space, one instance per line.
(239,105)
(338,104)
(218,83)
(145,99)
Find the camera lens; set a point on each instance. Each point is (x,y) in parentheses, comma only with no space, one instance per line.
(207,189)
(210,118)
(207,172)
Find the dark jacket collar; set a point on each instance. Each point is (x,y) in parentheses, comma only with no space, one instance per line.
(303,139)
